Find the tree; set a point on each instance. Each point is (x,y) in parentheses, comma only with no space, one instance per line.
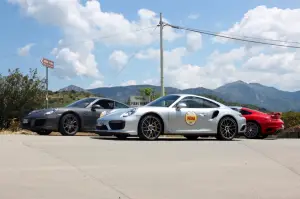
(147,92)
(19,94)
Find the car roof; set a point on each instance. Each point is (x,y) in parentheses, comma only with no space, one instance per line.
(236,107)
(98,98)
(191,95)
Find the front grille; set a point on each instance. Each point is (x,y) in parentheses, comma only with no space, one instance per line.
(40,122)
(101,128)
(117,125)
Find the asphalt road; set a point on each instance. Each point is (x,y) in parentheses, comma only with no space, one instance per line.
(57,167)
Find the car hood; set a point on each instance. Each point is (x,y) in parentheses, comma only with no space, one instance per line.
(139,110)
(119,111)
(41,112)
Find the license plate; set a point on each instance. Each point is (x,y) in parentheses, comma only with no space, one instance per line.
(25,121)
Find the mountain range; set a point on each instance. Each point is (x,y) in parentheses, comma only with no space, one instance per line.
(257,94)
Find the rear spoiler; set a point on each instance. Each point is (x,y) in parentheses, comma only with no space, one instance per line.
(275,115)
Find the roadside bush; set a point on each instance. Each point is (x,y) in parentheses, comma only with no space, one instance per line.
(291,119)
(19,94)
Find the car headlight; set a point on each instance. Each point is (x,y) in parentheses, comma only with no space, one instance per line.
(50,112)
(103,113)
(128,113)
(32,112)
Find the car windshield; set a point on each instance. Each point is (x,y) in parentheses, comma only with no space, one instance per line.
(83,103)
(165,101)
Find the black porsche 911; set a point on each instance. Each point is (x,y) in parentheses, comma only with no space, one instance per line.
(80,116)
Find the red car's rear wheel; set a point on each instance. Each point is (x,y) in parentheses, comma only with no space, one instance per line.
(253,130)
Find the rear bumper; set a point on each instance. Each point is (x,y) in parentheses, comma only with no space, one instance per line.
(272,129)
(38,124)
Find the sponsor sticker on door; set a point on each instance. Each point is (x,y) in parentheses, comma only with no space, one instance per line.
(190,118)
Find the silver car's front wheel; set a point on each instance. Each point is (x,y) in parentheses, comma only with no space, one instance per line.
(227,129)
(150,127)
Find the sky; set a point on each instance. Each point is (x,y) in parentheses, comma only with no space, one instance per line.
(99,43)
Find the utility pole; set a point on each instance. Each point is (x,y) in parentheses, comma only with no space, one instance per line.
(161,25)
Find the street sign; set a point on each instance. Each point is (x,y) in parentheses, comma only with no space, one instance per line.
(47,63)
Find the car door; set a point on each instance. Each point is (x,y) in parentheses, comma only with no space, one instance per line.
(94,114)
(195,118)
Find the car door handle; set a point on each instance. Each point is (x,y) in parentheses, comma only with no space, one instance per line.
(201,114)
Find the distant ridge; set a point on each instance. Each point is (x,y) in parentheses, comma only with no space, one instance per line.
(238,91)
(73,88)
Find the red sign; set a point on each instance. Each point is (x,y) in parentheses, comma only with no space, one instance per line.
(47,63)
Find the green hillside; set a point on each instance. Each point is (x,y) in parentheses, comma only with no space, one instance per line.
(63,98)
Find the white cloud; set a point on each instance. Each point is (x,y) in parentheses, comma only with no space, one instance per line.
(171,58)
(24,51)
(129,83)
(118,59)
(194,41)
(281,63)
(151,81)
(279,70)
(193,16)
(85,24)
(96,84)
(268,23)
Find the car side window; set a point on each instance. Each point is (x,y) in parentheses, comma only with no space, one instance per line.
(106,104)
(120,105)
(197,102)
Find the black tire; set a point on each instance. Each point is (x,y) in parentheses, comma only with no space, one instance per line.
(150,127)
(253,130)
(69,125)
(44,132)
(227,128)
(204,136)
(191,137)
(121,136)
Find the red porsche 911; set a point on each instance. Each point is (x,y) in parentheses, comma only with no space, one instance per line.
(259,124)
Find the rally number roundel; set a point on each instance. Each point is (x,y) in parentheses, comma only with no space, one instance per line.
(190,118)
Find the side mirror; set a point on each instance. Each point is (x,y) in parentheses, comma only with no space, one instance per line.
(96,106)
(180,106)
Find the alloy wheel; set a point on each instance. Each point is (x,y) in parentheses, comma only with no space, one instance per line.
(252,130)
(228,128)
(151,127)
(70,124)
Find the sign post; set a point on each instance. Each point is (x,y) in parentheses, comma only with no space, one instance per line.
(48,64)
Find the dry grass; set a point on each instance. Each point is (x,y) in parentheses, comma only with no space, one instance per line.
(25,132)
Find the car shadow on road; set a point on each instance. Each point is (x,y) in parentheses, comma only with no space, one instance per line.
(159,139)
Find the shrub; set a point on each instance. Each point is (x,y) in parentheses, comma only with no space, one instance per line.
(291,119)
(19,94)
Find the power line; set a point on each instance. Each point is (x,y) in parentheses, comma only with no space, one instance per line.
(242,36)
(235,38)
(82,41)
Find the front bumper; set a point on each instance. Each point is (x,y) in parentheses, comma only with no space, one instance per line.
(39,123)
(109,126)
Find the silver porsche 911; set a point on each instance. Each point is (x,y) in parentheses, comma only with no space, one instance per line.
(178,114)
